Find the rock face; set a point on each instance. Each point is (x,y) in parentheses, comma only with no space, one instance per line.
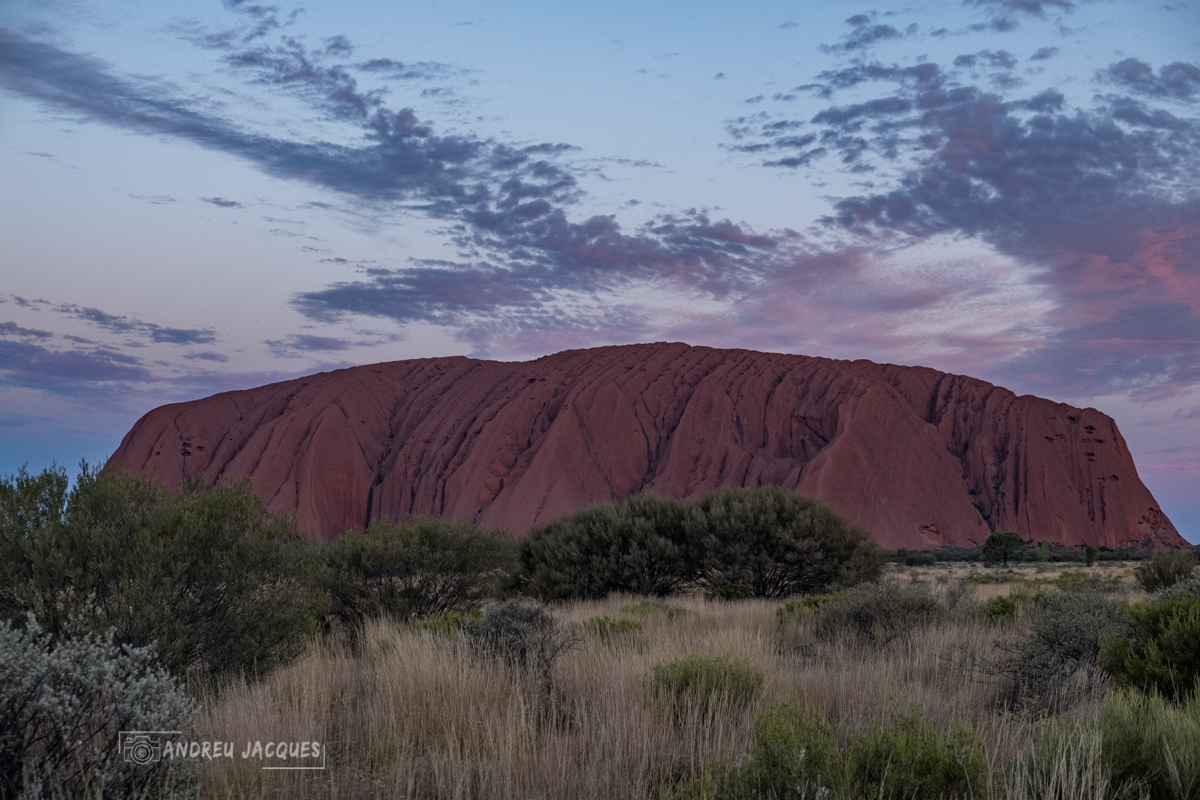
(918,457)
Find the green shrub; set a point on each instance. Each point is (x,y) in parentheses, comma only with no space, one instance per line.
(1165,569)
(423,567)
(447,623)
(1151,747)
(526,637)
(65,702)
(1090,554)
(1002,546)
(643,545)
(1007,606)
(214,580)
(778,543)
(877,614)
(705,678)
(792,755)
(620,630)
(805,605)
(1160,650)
(1064,640)
(1064,761)
(908,759)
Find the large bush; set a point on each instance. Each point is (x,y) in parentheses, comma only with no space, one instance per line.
(762,542)
(1160,651)
(426,566)
(64,703)
(642,545)
(212,578)
(777,543)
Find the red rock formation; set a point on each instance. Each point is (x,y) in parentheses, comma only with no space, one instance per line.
(918,457)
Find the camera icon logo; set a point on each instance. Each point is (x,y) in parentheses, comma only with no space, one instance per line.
(141,747)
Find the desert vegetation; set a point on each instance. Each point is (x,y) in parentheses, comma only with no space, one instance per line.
(431,659)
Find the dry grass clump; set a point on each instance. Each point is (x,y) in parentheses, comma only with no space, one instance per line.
(417,713)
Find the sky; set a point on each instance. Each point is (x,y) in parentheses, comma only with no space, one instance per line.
(203,196)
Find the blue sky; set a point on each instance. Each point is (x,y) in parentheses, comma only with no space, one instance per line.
(204,196)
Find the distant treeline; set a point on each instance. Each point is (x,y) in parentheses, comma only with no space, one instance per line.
(1028,551)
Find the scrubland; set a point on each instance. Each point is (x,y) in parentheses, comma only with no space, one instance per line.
(406,711)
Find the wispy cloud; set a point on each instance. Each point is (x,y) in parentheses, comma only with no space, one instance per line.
(1099,200)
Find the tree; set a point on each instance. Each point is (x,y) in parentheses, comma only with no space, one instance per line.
(210,577)
(1001,546)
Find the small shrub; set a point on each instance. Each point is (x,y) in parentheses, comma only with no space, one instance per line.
(1160,650)
(705,678)
(620,630)
(792,755)
(878,614)
(526,637)
(64,703)
(1152,747)
(1090,554)
(805,605)
(1165,569)
(907,759)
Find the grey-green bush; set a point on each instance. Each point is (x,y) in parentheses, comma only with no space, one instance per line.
(214,580)
(877,614)
(525,636)
(64,702)
(426,566)
(1063,641)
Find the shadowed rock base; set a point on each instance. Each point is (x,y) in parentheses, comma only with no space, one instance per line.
(918,457)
